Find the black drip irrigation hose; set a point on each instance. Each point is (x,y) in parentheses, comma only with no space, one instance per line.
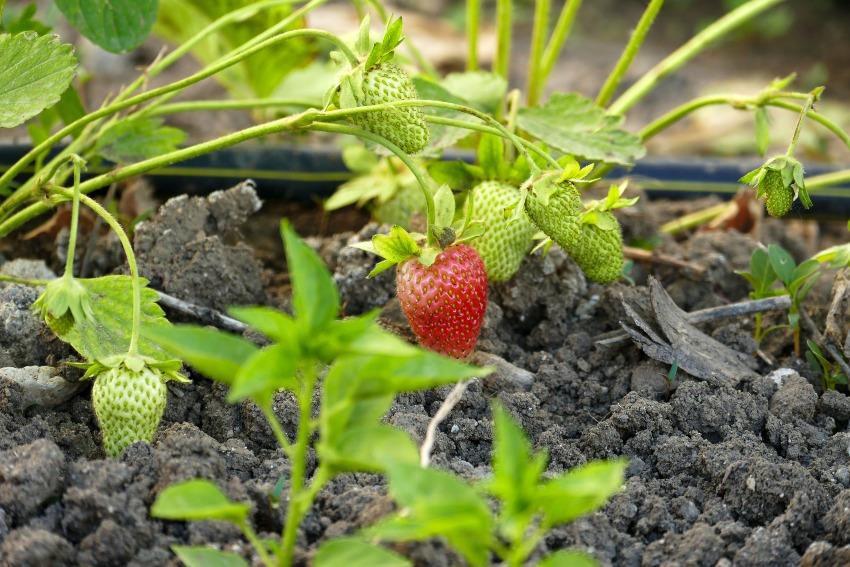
(303,173)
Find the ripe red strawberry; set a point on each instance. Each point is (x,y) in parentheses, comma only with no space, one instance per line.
(445,302)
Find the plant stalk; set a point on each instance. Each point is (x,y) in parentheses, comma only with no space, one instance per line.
(810,100)
(75,220)
(473,26)
(298,466)
(629,53)
(535,57)
(560,34)
(688,51)
(504,16)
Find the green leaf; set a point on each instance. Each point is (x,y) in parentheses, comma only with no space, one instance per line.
(267,371)
(129,141)
(762,270)
(762,130)
(580,491)
(114,25)
(314,295)
(455,174)
(197,556)
(516,469)
(195,500)
(354,552)
(444,205)
(782,263)
(274,324)
(359,159)
(270,72)
(106,332)
(24,20)
(436,503)
(213,353)
(442,136)
(34,72)
(566,558)
(490,155)
(484,91)
(370,448)
(574,125)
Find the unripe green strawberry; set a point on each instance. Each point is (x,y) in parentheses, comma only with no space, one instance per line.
(402,206)
(599,252)
(403,126)
(445,302)
(778,197)
(504,243)
(559,216)
(128,405)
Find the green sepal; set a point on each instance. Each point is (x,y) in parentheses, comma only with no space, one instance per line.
(62,295)
(444,206)
(394,248)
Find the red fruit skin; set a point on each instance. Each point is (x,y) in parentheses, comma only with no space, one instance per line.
(445,302)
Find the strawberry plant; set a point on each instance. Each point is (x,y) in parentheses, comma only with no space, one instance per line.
(831,374)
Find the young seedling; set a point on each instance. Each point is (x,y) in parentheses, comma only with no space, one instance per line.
(528,504)
(352,364)
(830,372)
(776,266)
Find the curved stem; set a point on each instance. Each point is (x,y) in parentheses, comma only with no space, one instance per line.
(75,219)
(535,57)
(242,104)
(144,166)
(810,100)
(417,172)
(128,252)
(734,101)
(629,53)
(687,52)
(559,36)
(153,93)
(473,24)
(504,15)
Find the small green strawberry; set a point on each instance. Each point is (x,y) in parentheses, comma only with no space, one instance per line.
(403,126)
(599,251)
(555,207)
(779,181)
(505,242)
(129,396)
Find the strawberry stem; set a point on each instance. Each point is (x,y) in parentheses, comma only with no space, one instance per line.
(128,252)
(562,30)
(473,22)
(810,100)
(629,53)
(535,57)
(417,172)
(75,217)
(502,60)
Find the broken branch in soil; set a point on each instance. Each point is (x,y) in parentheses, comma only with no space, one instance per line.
(740,309)
(445,409)
(202,314)
(641,255)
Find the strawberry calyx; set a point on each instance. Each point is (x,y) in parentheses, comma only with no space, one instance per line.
(593,210)
(169,369)
(791,173)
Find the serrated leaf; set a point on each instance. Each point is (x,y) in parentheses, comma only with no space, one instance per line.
(215,354)
(199,556)
(34,72)
(483,90)
(135,140)
(107,332)
(195,500)
(354,552)
(114,25)
(573,124)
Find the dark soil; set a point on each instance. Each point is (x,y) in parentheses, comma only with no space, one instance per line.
(718,476)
